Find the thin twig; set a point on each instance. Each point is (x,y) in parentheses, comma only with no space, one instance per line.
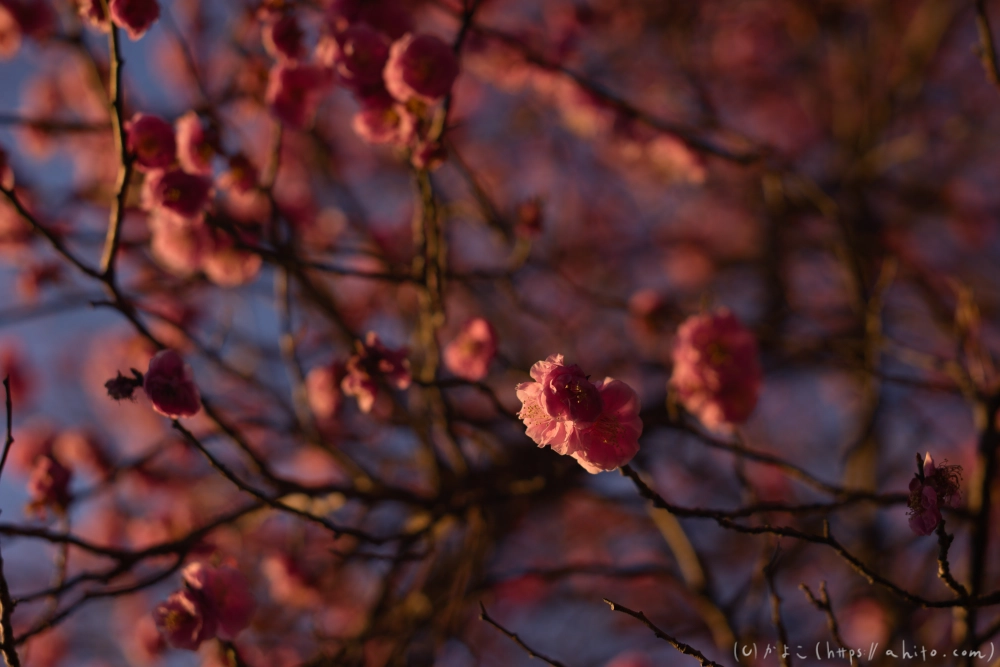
(517,640)
(677,644)
(6,603)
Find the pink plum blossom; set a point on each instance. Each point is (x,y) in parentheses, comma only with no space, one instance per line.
(323,389)
(227,265)
(184,620)
(226,594)
(182,194)
(382,120)
(48,486)
(933,487)
(470,353)
(241,175)
(169,384)
(93,12)
(372,360)
(135,16)
(420,67)
(294,91)
(282,37)
(357,55)
(194,149)
(597,424)
(716,373)
(151,140)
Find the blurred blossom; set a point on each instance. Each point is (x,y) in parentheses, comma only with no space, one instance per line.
(374,361)
(469,354)
(169,384)
(135,16)
(294,92)
(184,620)
(48,486)
(194,147)
(151,140)
(226,594)
(716,373)
(283,37)
(420,67)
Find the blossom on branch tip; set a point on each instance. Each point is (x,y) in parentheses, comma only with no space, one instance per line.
(597,424)
(716,373)
(420,67)
(151,140)
(169,384)
(933,487)
(135,16)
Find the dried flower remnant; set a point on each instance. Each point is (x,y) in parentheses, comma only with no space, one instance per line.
(135,16)
(716,373)
(151,140)
(469,355)
(122,388)
(932,488)
(374,360)
(597,424)
(420,67)
(169,384)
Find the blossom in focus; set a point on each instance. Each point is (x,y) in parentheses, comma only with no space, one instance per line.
(597,424)
(151,140)
(420,67)
(469,355)
(184,620)
(48,486)
(194,149)
(226,595)
(169,384)
(136,16)
(372,360)
(716,373)
(933,487)
(294,91)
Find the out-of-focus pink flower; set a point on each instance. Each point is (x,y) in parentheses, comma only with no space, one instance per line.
(421,67)
(323,389)
(529,219)
(387,16)
(294,92)
(48,486)
(194,148)
(716,373)
(288,584)
(93,12)
(151,140)
(33,18)
(176,244)
(226,594)
(10,33)
(428,155)
(185,195)
(227,265)
(932,488)
(169,384)
(282,37)
(184,620)
(470,353)
(241,175)
(383,120)
(597,424)
(358,55)
(80,449)
(374,359)
(136,16)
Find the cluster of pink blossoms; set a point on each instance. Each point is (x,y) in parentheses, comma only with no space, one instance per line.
(933,487)
(370,49)
(717,374)
(215,602)
(177,192)
(597,424)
